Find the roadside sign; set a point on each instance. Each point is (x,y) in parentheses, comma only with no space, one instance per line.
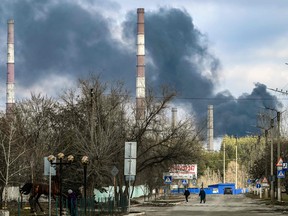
(194,182)
(114,171)
(280,174)
(130,178)
(184,182)
(249,181)
(167,179)
(280,162)
(284,166)
(47,165)
(130,158)
(258,185)
(264,180)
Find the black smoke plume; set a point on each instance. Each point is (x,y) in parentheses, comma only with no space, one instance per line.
(63,38)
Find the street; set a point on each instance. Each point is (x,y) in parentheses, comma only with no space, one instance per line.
(216,205)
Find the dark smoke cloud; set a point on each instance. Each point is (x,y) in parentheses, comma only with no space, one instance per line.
(178,51)
(62,38)
(180,54)
(238,116)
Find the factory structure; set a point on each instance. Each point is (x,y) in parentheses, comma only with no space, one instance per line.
(10,92)
(140,67)
(210,128)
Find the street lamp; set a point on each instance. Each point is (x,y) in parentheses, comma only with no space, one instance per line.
(60,156)
(85,161)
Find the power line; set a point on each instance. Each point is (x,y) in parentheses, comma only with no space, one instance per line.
(228,99)
(279,91)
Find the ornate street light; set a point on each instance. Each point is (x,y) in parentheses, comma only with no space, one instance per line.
(85,161)
(60,156)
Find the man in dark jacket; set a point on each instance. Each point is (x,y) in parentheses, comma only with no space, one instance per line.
(186,194)
(202,195)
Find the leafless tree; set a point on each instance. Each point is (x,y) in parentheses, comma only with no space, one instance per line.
(11,153)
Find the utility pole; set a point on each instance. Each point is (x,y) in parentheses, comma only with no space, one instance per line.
(278,150)
(278,155)
(224,163)
(266,147)
(272,164)
(278,140)
(92,115)
(236,182)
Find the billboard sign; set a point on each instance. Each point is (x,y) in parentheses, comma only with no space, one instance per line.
(183,171)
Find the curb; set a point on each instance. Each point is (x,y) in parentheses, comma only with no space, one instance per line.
(134,214)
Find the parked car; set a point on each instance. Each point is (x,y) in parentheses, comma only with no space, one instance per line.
(228,190)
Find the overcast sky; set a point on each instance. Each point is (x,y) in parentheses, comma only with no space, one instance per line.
(220,52)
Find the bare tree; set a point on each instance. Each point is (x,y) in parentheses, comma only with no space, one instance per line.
(34,125)
(100,118)
(96,119)
(11,153)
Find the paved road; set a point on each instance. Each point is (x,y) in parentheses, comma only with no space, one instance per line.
(216,205)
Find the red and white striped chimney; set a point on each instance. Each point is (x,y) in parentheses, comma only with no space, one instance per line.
(10,97)
(140,80)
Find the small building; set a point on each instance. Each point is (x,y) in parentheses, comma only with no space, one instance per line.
(220,188)
(227,188)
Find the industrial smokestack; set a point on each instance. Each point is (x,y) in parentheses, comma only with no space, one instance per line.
(210,129)
(140,80)
(174,117)
(10,97)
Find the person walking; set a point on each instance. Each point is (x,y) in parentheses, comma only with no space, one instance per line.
(186,194)
(72,202)
(202,195)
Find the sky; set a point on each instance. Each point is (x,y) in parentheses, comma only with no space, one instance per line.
(225,53)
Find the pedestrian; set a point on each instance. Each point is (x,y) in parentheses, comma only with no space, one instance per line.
(186,194)
(202,195)
(72,202)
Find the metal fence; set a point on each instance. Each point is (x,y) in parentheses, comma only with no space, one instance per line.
(100,206)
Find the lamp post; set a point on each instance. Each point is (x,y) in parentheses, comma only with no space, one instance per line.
(60,156)
(85,161)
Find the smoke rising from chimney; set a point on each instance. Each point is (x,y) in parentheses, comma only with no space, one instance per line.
(65,39)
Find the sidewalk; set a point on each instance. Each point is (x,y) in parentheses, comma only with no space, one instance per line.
(158,201)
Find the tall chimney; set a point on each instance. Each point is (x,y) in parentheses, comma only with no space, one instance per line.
(10,97)
(174,117)
(140,80)
(210,146)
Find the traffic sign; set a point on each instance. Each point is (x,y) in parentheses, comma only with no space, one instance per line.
(167,179)
(184,182)
(264,180)
(284,166)
(194,182)
(280,162)
(114,171)
(280,174)
(258,185)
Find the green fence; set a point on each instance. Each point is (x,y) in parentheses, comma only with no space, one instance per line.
(100,206)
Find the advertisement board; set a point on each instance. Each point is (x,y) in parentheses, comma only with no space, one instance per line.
(183,171)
